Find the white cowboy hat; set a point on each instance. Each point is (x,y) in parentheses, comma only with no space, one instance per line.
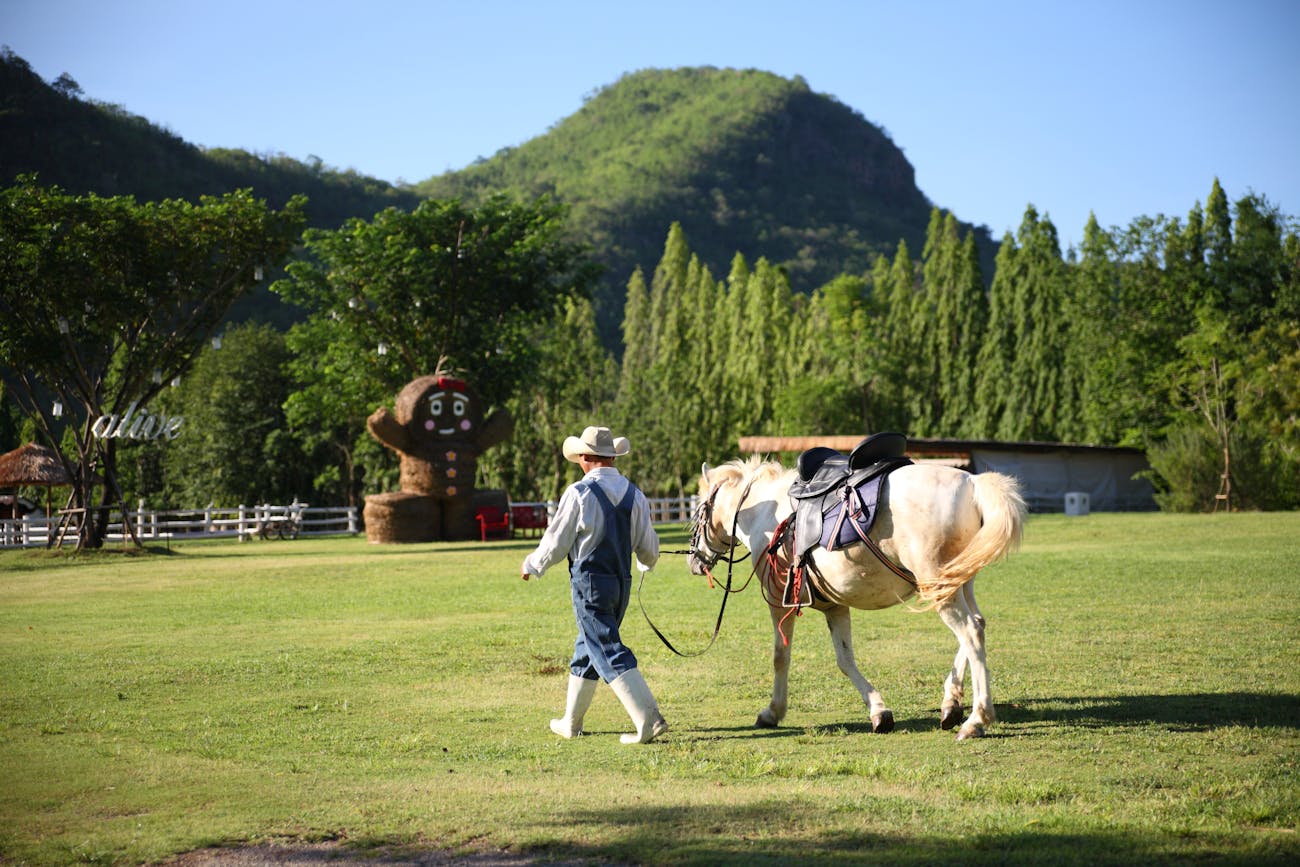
(596,441)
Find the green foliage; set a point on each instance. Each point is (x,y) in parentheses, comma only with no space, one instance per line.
(406,293)
(837,328)
(1127,345)
(572,385)
(1187,466)
(236,447)
(103,302)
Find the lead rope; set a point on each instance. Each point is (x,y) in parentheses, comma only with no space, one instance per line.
(726,591)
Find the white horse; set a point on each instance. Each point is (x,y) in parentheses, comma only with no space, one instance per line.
(939,523)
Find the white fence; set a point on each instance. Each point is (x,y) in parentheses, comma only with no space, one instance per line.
(246,521)
(241,521)
(666,510)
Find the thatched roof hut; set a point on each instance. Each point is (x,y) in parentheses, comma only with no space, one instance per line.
(32,464)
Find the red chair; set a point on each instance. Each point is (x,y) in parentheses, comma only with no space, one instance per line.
(531,520)
(492,520)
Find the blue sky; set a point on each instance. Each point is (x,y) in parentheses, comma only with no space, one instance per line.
(1119,107)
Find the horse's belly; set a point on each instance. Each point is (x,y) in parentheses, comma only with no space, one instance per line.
(847,578)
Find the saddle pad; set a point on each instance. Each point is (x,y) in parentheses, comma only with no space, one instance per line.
(850,519)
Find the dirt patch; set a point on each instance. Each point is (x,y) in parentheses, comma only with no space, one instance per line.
(336,854)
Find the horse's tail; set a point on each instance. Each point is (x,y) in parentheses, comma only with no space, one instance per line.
(1002,517)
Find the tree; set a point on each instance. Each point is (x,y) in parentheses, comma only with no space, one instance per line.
(573,385)
(238,448)
(837,364)
(1034,404)
(391,298)
(993,380)
(104,301)
(948,324)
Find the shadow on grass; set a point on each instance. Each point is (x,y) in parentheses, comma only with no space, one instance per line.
(210,549)
(1191,712)
(774,832)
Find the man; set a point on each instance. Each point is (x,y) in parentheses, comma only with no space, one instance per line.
(602,520)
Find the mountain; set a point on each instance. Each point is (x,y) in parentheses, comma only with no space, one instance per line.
(87,147)
(745,160)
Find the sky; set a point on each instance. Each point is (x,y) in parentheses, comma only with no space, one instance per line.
(1120,108)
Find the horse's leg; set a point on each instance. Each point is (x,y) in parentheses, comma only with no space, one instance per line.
(950,712)
(968,626)
(770,717)
(841,627)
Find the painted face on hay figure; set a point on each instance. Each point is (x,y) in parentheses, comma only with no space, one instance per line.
(449,414)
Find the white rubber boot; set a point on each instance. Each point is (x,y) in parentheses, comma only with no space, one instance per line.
(580,692)
(632,690)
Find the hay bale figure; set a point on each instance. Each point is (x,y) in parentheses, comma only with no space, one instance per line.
(438,430)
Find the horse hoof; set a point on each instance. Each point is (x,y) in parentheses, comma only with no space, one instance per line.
(951,718)
(883,722)
(764,721)
(971,731)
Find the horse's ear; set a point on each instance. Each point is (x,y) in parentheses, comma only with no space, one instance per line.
(704,469)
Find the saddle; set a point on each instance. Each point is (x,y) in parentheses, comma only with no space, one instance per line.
(835,494)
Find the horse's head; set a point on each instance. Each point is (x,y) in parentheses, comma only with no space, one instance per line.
(711,538)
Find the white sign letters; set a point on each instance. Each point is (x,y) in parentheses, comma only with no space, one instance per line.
(133,425)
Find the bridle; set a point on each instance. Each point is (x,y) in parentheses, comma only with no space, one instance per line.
(703,519)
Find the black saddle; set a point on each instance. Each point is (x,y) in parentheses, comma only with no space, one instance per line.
(835,495)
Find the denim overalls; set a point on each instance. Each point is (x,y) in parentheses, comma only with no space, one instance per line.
(602,587)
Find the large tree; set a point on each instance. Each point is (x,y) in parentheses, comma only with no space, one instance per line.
(104,301)
(394,297)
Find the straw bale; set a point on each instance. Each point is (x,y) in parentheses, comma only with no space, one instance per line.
(399,516)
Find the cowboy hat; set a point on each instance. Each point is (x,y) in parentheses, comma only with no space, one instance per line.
(596,441)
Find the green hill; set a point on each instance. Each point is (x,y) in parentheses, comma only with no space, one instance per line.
(746,161)
(87,147)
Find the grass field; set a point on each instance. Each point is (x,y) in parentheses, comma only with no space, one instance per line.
(1145,670)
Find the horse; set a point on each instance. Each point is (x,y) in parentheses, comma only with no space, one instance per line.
(935,528)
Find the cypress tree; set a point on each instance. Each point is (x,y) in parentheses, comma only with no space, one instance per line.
(885,401)
(950,322)
(636,337)
(993,386)
(1036,365)
(1218,242)
(1099,352)
(903,344)
(928,330)
(971,313)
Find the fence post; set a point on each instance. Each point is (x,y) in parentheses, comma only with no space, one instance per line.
(352,520)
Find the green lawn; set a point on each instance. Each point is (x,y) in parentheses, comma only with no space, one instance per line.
(1144,671)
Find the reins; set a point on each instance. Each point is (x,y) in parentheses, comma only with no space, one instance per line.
(730,558)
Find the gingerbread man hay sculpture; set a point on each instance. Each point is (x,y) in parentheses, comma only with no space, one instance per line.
(438,430)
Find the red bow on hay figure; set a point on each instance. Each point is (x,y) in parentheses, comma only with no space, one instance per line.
(438,430)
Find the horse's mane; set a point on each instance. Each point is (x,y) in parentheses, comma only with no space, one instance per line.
(754,469)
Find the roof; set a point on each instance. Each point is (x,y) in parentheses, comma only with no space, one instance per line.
(919,447)
(32,464)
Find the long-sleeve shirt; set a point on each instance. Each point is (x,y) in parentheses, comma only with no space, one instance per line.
(578,525)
